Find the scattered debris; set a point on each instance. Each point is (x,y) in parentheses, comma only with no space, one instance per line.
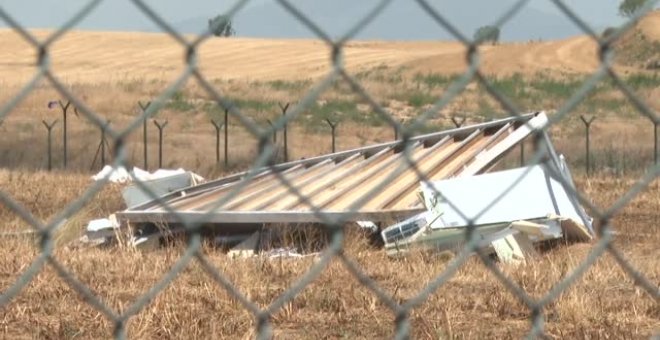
(461,194)
(336,181)
(160,182)
(114,175)
(509,210)
(134,195)
(102,228)
(121,175)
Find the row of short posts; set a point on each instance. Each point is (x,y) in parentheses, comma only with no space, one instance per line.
(458,122)
(588,121)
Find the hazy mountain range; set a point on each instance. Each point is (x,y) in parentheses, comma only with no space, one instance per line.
(402,20)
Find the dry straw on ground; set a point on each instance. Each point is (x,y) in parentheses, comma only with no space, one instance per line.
(605,302)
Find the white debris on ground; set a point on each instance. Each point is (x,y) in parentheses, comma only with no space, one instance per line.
(510,211)
(121,175)
(159,182)
(114,175)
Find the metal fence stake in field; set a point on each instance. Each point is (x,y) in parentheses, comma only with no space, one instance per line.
(655,143)
(144,108)
(218,127)
(160,126)
(333,126)
(100,150)
(49,127)
(458,120)
(65,110)
(587,124)
(226,124)
(396,130)
(284,108)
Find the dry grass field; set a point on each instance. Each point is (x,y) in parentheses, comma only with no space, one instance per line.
(604,303)
(111,72)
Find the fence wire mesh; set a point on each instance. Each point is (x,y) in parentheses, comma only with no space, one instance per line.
(336,73)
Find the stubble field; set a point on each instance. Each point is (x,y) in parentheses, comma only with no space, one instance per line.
(111,72)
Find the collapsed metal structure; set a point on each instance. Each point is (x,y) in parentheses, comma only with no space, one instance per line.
(346,185)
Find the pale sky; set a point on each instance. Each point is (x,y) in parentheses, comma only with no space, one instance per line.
(403,20)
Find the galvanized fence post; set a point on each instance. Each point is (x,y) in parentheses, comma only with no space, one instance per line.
(284,108)
(655,143)
(217,127)
(65,110)
(144,108)
(333,127)
(160,126)
(226,124)
(458,122)
(49,127)
(100,150)
(587,124)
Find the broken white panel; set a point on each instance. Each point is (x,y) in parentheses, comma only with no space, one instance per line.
(115,175)
(513,248)
(121,175)
(531,194)
(148,242)
(248,248)
(368,225)
(134,195)
(405,228)
(549,229)
(102,228)
(283,253)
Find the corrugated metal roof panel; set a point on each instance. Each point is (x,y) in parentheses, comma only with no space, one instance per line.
(345,182)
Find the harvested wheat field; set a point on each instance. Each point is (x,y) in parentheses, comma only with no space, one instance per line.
(83,57)
(604,302)
(111,72)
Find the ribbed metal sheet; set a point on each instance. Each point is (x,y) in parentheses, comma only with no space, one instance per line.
(345,185)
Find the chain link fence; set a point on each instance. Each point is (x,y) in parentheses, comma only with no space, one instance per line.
(337,72)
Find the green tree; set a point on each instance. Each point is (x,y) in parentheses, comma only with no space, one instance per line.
(627,8)
(487,33)
(221,26)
